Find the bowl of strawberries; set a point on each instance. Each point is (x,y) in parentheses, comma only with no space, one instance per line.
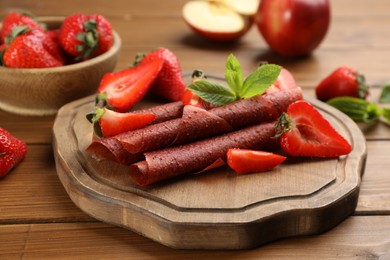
(47,62)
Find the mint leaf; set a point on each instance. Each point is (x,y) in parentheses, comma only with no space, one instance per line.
(385,94)
(259,80)
(357,109)
(212,92)
(233,73)
(255,84)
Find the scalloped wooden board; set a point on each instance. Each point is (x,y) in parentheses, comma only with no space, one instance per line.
(217,209)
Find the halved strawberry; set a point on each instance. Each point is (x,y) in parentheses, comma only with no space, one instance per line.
(285,80)
(249,161)
(189,97)
(169,84)
(303,131)
(108,123)
(122,90)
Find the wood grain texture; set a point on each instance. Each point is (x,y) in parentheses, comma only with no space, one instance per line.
(55,228)
(301,197)
(357,238)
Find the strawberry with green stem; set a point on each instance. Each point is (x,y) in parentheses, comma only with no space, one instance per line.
(109,123)
(85,36)
(31,49)
(303,131)
(344,81)
(15,19)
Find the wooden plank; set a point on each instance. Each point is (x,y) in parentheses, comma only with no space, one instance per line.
(343,8)
(355,238)
(32,192)
(376,181)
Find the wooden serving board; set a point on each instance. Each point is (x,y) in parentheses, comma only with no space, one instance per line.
(217,209)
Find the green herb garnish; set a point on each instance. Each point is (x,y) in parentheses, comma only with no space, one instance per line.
(255,84)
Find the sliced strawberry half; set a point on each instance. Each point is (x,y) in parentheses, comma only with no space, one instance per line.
(285,80)
(303,131)
(245,161)
(108,123)
(122,90)
(189,97)
(170,83)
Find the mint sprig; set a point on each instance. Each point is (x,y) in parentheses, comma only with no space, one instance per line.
(255,84)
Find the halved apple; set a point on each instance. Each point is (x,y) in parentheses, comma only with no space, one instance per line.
(219,20)
(243,7)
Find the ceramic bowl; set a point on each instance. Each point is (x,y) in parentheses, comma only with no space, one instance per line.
(43,91)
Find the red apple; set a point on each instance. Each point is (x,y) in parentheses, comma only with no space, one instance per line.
(222,20)
(293,27)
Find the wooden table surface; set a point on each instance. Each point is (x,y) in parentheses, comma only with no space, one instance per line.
(39,221)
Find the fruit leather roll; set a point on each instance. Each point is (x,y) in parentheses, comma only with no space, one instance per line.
(111,149)
(200,155)
(163,112)
(196,123)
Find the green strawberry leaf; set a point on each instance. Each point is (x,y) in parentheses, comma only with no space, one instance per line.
(16,31)
(385,94)
(357,109)
(260,80)
(386,115)
(212,92)
(233,73)
(94,118)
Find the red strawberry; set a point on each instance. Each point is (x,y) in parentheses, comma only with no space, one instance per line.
(54,35)
(284,81)
(13,20)
(32,49)
(189,97)
(12,151)
(344,81)
(123,89)
(108,123)
(249,161)
(304,131)
(169,83)
(86,36)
